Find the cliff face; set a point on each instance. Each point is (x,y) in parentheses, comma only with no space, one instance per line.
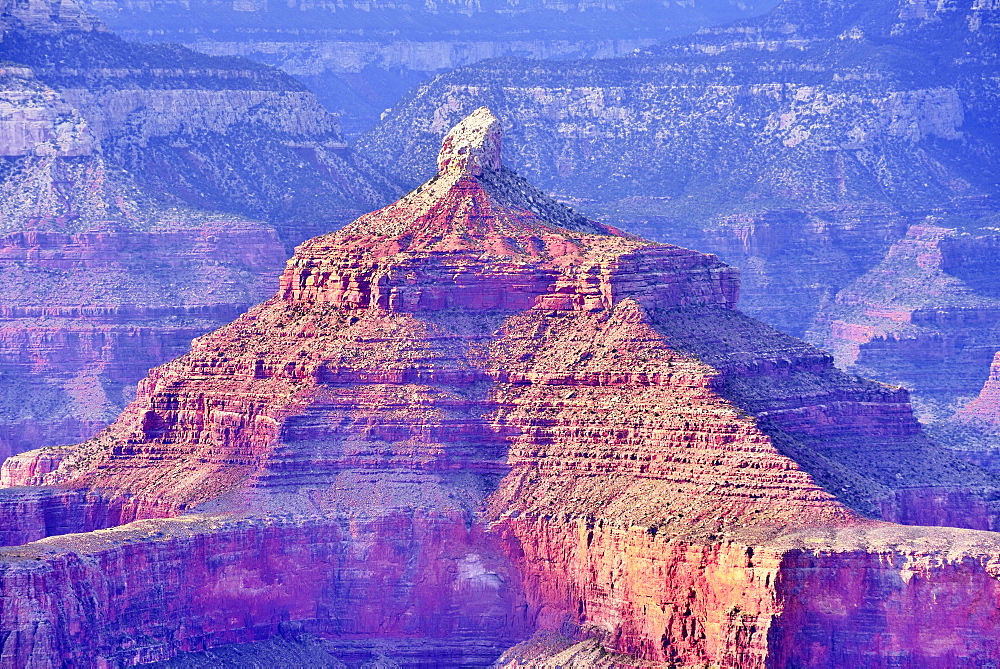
(97,283)
(360,57)
(474,415)
(798,145)
(925,317)
(111,157)
(973,431)
(214,133)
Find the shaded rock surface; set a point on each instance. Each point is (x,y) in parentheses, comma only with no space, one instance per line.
(215,133)
(974,430)
(472,416)
(360,57)
(926,317)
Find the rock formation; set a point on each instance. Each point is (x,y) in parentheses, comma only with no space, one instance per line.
(973,431)
(473,416)
(97,283)
(360,57)
(799,145)
(222,134)
(926,317)
(114,161)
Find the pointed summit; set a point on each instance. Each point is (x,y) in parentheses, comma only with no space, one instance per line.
(474,197)
(473,146)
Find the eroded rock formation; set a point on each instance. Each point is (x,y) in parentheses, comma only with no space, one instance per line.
(361,56)
(473,416)
(926,317)
(222,134)
(97,283)
(798,145)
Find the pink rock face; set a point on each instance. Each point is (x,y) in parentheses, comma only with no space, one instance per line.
(986,407)
(474,415)
(926,317)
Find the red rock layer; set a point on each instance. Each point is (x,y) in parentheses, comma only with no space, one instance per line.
(869,596)
(475,385)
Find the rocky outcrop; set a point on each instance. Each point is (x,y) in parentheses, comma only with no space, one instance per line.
(925,318)
(973,431)
(799,145)
(472,416)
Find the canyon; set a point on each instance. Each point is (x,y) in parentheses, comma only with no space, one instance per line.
(149,195)
(360,57)
(477,426)
(219,134)
(97,283)
(800,146)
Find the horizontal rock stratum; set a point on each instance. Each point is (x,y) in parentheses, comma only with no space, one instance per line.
(473,424)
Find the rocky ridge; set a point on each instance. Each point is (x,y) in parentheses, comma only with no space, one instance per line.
(459,423)
(360,57)
(798,145)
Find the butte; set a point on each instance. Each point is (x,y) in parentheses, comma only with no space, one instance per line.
(476,427)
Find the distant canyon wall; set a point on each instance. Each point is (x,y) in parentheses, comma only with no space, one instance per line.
(360,58)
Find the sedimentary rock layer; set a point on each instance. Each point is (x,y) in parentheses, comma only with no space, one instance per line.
(798,145)
(472,416)
(926,317)
(214,133)
(97,283)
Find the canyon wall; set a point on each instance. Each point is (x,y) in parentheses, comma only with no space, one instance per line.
(203,581)
(473,416)
(361,57)
(799,145)
(214,133)
(149,195)
(98,283)
(925,317)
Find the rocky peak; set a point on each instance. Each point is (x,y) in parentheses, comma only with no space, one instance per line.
(478,236)
(473,146)
(474,200)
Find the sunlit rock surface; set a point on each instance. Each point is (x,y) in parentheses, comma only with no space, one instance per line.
(475,421)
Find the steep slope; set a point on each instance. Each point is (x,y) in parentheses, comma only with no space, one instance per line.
(798,145)
(474,415)
(973,431)
(97,283)
(216,133)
